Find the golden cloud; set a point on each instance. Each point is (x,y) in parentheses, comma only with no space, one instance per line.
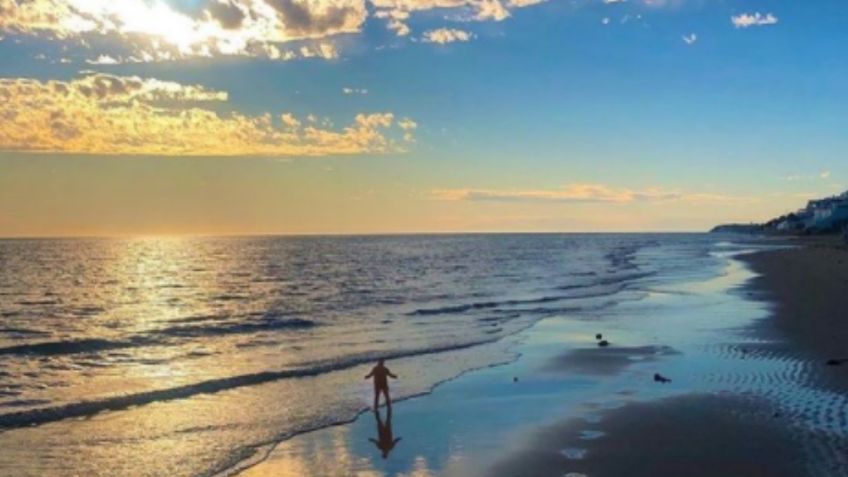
(157,30)
(580,193)
(446,35)
(114,115)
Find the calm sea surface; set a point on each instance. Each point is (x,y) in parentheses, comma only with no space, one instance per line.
(184,356)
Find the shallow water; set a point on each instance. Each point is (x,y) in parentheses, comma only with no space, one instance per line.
(189,356)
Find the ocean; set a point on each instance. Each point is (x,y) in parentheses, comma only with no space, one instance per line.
(189,356)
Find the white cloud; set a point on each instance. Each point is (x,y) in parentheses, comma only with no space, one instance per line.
(523,3)
(823,175)
(447,35)
(347,90)
(747,20)
(690,39)
(104,60)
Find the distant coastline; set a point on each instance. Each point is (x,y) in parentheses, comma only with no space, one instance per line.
(819,217)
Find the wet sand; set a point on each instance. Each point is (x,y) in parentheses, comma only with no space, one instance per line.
(808,287)
(707,435)
(604,361)
(694,435)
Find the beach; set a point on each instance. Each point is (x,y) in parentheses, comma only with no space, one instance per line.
(572,355)
(411,238)
(749,395)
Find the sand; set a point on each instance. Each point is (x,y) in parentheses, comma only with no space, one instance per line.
(695,436)
(808,287)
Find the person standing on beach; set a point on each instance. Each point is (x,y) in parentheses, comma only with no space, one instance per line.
(381,375)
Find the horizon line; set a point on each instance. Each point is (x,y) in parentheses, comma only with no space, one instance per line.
(344,234)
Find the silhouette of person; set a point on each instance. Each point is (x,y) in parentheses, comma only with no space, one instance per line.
(385,439)
(381,375)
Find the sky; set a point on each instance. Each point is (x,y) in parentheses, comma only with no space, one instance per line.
(240,117)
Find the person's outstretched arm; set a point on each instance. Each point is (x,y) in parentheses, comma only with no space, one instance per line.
(370,375)
(391,374)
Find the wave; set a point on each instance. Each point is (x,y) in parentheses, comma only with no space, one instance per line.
(194,331)
(34,417)
(37,302)
(22,331)
(154,338)
(487,305)
(53,348)
(454,308)
(198,318)
(603,287)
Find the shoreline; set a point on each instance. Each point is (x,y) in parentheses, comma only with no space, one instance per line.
(804,290)
(584,410)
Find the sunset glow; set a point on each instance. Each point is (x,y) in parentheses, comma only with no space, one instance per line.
(407,116)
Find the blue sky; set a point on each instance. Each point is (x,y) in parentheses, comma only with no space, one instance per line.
(582,115)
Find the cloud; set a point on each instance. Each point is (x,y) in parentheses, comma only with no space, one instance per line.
(117,115)
(396,20)
(311,19)
(523,3)
(747,20)
(576,194)
(230,15)
(446,35)
(397,12)
(324,50)
(408,126)
(690,39)
(104,60)
(361,91)
(158,30)
(154,30)
(823,175)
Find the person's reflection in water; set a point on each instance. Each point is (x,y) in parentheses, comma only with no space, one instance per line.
(385,439)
